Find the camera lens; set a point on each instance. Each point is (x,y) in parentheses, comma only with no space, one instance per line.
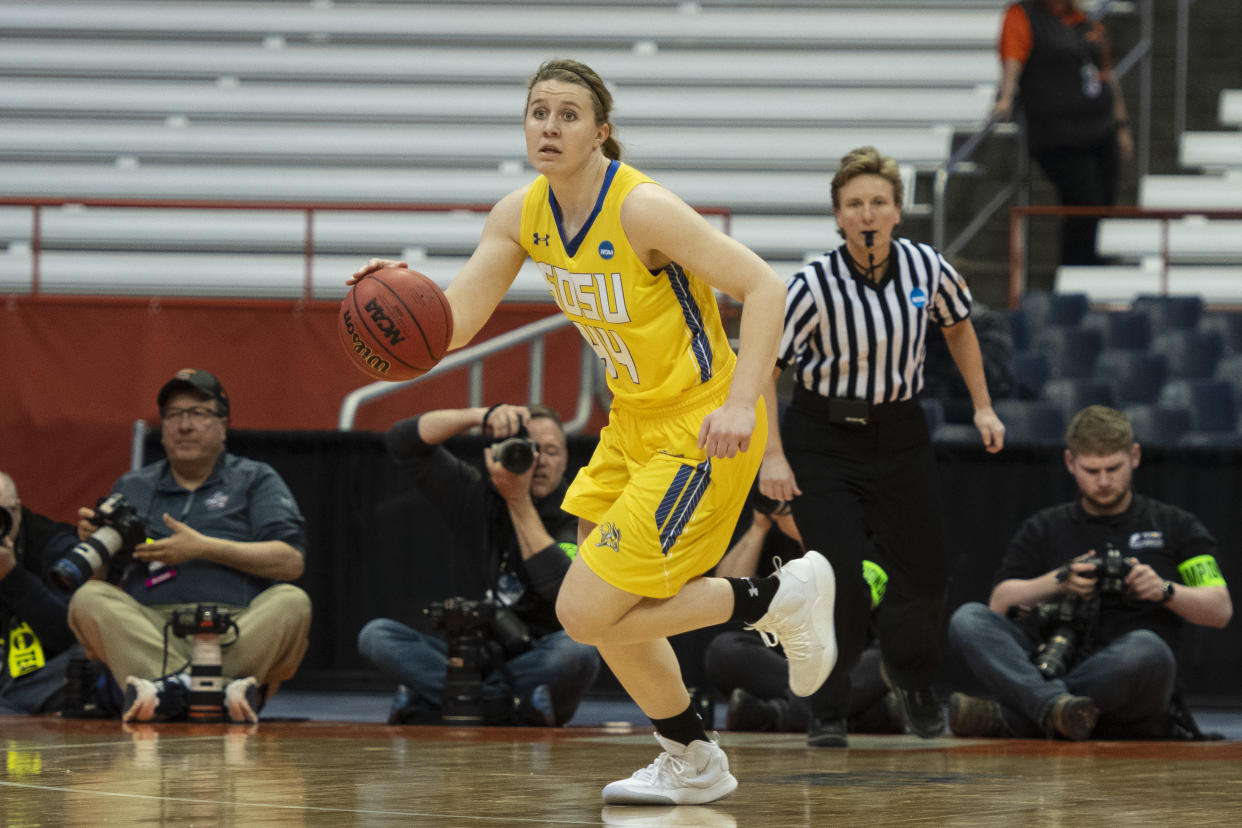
(515,454)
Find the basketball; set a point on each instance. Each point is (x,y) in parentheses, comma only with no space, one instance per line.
(395,324)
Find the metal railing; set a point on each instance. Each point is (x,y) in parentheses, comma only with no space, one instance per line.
(1017,186)
(1018,226)
(472,359)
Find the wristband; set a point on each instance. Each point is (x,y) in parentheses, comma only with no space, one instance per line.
(483,425)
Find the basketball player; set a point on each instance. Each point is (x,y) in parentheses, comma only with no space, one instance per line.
(634,267)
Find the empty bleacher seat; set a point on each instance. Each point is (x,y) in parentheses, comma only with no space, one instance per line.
(1126,329)
(1228,324)
(1030,369)
(933,412)
(1072,395)
(1031,421)
(1043,308)
(1136,376)
(1229,370)
(1171,311)
(1210,403)
(1019,328)
(1191,353)
(1071,352)
(1157,425)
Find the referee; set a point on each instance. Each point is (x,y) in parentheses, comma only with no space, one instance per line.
(853,453)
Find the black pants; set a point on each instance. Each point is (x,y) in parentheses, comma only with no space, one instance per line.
(870,492)
(1083,177)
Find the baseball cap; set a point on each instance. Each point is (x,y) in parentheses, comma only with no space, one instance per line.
(201,382)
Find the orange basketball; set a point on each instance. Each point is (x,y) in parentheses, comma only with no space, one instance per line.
(395,324)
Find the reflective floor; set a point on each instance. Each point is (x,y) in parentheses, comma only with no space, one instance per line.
(65,772)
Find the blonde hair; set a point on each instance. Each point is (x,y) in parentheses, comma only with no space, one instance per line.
(571,71)
(866,161)
(1097,431)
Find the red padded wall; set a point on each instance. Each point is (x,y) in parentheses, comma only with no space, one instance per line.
(76,372)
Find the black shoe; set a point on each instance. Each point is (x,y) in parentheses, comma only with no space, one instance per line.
(748,712)
(535,708)
(883,716)
(971,716)
(919,707)
(828,733)
(408,709)
(1074,717)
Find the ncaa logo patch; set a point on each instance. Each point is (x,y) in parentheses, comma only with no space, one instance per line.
(918,297)
(217,501)
(606,250)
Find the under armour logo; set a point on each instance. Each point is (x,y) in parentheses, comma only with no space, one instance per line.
(751,590)
(542,239)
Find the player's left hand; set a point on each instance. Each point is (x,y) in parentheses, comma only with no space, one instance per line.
(991,429)
(726,431)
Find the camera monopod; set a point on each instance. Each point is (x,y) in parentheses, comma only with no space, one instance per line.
(205,623)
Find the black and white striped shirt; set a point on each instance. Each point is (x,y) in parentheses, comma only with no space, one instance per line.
(849,337)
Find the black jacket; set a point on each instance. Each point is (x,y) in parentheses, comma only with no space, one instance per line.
(24,595)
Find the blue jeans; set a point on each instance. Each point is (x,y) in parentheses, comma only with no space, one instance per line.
(419,661)
(1130,680)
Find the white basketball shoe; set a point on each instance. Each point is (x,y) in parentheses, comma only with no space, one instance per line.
(692,774)
(800,620)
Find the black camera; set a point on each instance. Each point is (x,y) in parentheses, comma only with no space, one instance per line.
(6,522)
(517,453)
(481,636)
(1111,570)
(120,530)
(1063,623)
(205,623)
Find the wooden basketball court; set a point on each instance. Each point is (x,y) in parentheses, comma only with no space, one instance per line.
(317,773)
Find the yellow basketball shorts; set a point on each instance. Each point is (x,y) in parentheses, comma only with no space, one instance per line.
(664,511)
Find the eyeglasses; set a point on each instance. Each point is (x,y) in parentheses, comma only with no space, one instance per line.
(198,415)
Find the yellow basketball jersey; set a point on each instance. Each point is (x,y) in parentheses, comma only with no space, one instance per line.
(658,334)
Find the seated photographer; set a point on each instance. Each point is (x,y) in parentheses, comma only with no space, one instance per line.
(220,530)
(35,641)
(755,677)
(513,540)
(1079,635)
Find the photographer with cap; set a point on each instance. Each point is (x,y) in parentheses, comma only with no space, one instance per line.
(221,530)
(513,542)
(35,641)
(1117,574)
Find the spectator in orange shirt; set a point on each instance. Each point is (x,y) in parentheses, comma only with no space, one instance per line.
(1056,68)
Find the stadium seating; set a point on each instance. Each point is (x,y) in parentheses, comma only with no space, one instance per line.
(1157,425)
(1191,353)
(1171,311)
(1072,395)
(1040,422)
(1124,330)
(1135,376)
(1071,351)
(1210,403)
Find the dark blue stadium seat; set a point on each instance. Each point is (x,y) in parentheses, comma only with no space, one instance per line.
(1220,439)
(1228,324)
(1136,376)
(1169,312)
(1156,425)
(1126,330)
(1071,352)
(1030,370)
(1072,395)
(1042,308)
(1210,403)
(1031,421)
(933,412)
(1229,369)
(1192,353)
(1019,328)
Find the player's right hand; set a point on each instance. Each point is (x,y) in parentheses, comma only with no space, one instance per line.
(776,478)
(370,267)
